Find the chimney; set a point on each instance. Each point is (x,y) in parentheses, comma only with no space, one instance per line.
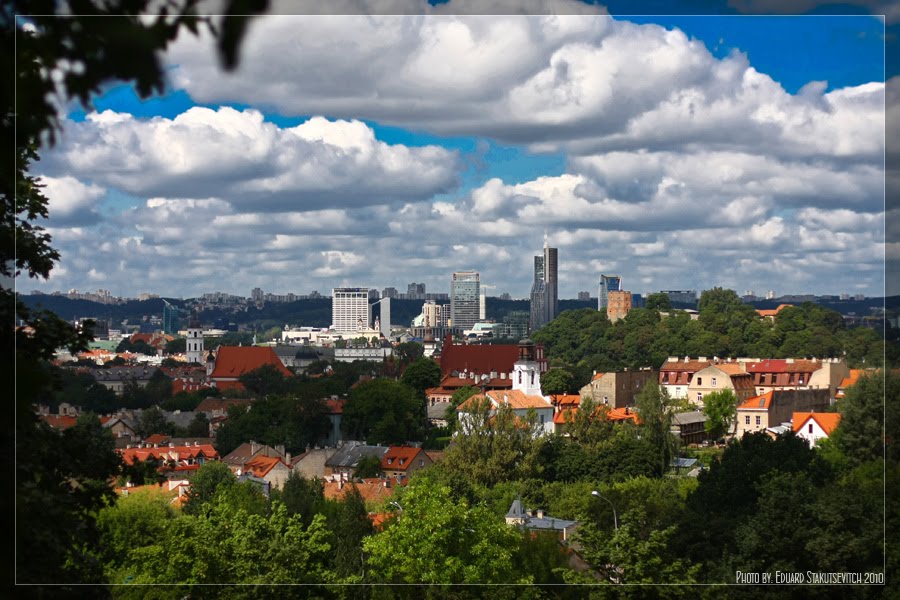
(341,483)
(287,458)
(540,513)
(254,447)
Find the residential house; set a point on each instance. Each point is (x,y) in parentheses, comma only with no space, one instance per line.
(238,458)
(233,361)
(848,381)
(718,377)
(400,462)
(675,375)
(450,384)
(344,462)
(218,407)
(119,426)
(778,406)
(311,463)
(796,374)
(815,426)
(537,520)
(617,389)
(175,461)
(271,469)
(437,414)
(117,378)
(690,427)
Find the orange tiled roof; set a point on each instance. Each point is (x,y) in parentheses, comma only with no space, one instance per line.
(371,490)
(234,361)
(597,376)
(758,402)
(399,458)
(848,381)
(827,421)
(565,399)
(614,414)
(771,312)
(517,399)
(259,466)
(731,369)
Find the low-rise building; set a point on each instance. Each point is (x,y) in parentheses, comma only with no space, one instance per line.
(537,520)
(718,377)
(117,378)
(778,406)
(690,427)
(402,461)
(675,375)
(815,426)
(617,389)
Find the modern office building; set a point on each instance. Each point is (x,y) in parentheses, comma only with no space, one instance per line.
(349,309)
(544,288)
(608,283)
(465,293)
(170,318)
(390,292)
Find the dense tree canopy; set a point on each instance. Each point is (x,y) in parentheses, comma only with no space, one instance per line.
(383,411)
(726,327)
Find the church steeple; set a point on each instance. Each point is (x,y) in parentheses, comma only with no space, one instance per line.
(194,344)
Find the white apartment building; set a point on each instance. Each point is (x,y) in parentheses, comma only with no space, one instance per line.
(349,309)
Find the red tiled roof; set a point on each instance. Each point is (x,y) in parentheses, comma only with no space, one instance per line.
(180,385)
(335,407)
(623,414)
(132,455)
(758,402)
(692,365)
(157,438)
(597,376)
(399,458)
(59,421)
(234,361)
(827,421)
(480,359)
(211,404)
(781,365)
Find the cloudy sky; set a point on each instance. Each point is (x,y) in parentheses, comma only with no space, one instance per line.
(679,152)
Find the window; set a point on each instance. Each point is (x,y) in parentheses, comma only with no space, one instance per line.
(699,396)
(542,419)
(758,420)
(810,427)
(699,381)
(714,382)
(747,420)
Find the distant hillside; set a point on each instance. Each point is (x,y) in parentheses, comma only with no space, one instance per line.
(317,312)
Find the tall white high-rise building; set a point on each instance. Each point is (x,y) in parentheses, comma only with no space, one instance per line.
(544,289)
(465,302)
(349,309)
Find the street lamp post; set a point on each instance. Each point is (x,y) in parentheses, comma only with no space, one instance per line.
(596,494)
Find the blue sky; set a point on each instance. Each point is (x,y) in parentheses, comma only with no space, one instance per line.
(422,163)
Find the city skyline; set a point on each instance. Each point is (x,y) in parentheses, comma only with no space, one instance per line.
(724,168)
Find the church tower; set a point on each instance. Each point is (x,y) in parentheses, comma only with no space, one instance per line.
(527,370)
(194,347)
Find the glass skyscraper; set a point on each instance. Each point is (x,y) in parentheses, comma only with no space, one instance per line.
(465,289)
(608,283)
